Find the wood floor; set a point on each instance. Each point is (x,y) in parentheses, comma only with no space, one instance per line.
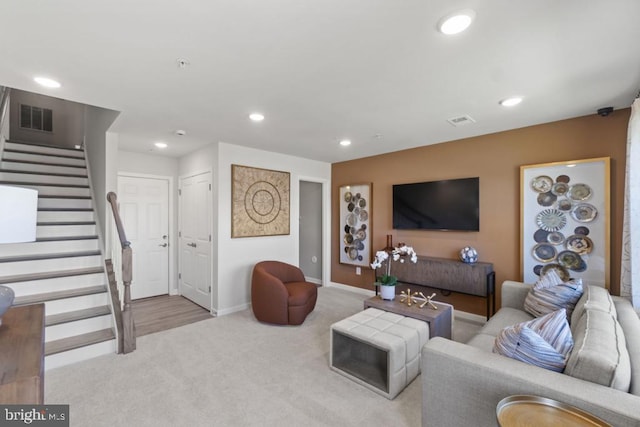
(164,312)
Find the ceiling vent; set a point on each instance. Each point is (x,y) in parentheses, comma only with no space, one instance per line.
(461,120)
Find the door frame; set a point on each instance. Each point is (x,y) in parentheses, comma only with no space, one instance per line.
(214,239)
(326,226)
(173,284)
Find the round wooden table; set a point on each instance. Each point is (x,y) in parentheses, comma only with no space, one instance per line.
(530,411)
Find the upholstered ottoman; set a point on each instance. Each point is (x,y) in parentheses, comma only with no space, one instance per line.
(378,349)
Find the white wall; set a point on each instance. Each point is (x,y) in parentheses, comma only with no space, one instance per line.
(152,165)
(236,257)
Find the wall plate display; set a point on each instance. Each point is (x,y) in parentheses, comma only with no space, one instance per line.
(582,202)
(355,224)
(260,202)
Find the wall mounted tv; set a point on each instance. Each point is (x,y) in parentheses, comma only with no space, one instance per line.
(452,204)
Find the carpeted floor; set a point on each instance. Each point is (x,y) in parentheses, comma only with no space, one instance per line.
(233,371)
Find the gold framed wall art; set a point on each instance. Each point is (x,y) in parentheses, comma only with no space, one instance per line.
(260,202)
(355,224)
(564,220)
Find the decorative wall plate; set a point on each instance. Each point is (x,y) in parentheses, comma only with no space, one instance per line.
(562,271)
(540,236)
(544,252)
(584,212)
(347,196)
(579,243)
(348,239)
(555,238)
(353,253)
(546,199)
(542,183)
(551,220)
(563,178)
(579,192)
(351,219)
(364,215)
(582,230)
(564,205)
(560,188)
(570,260)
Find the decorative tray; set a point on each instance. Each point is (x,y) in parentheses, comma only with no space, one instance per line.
(521,410)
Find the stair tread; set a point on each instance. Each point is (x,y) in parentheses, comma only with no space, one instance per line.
(49,275)
(36,257)
(42,184)
(65,210)
(37,153)
(43,163)
(50,296)
(65,238)
(43,196)
(71,343)
(87,313)
(41,144)
(47,223)
(26,172)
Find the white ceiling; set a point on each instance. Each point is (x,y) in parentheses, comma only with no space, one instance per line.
(323,70)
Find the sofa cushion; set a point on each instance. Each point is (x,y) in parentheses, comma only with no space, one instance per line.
(504,317)
(545,341)
(550,293)
(593,298)
(630,323)
(600,353)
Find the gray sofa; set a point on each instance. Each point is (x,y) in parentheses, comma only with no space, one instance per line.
(463,383)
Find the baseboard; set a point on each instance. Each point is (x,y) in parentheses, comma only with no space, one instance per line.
(230,310)
(368,292)
(313,280)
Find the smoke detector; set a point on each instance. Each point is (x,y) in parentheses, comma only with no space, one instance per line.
(183,63)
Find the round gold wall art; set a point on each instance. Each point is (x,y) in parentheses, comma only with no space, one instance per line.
(260,205)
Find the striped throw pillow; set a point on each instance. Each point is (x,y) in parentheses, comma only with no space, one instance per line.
(545,342)
(550,293)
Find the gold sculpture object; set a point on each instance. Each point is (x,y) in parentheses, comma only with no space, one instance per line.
(411,298)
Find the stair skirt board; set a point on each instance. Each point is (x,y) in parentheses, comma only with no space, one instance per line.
(46,265)
(40,178)
(48,247)
(58,284)
(43,158)
(68,357)
(44,149)
(43,168)
(62,203)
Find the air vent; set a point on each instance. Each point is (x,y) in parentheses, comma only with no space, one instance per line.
(461,120)
(36,118)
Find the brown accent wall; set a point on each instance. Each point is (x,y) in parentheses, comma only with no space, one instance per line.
(496,159)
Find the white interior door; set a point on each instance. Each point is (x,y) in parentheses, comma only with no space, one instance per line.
(195,239)
(144,208)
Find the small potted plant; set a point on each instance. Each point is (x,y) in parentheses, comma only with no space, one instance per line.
(386,281)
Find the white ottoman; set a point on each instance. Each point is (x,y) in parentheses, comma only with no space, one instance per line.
(378,349)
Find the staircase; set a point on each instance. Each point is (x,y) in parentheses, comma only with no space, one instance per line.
(63,268)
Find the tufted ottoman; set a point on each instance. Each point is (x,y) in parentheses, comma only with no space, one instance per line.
(378,349)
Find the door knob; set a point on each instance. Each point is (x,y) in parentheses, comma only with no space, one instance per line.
(193,245)
(164,245)
(164,236)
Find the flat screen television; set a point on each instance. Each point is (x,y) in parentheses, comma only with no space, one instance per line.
(452,204)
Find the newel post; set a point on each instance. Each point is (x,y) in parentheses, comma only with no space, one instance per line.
(129,327)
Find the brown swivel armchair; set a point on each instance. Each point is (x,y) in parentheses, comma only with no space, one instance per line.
(280,294)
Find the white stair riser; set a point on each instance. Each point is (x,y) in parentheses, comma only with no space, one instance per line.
(65,216)
(79,354)
(43,158)
(77,303)
(40,248)
(65,230)
(58,284)
(48,265)
(77,327)
(37,178)
(42,168)
(64,203)
(43,150)
(46,190)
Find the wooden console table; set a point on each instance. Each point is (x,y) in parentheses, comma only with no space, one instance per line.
(22,355)
(450,275)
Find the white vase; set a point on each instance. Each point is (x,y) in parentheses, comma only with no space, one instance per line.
(387,292)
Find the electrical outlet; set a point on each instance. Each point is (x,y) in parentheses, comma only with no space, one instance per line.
(358,271)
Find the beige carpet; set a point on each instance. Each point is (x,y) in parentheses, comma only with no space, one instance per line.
(232,371)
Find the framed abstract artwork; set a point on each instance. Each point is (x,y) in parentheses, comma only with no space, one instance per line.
(564,220)
(355,224)
(260,202)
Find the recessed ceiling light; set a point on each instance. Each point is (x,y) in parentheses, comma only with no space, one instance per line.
(457,22)
(256,117)
(46,82)
(160,145)
(345,142)
(510,102)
